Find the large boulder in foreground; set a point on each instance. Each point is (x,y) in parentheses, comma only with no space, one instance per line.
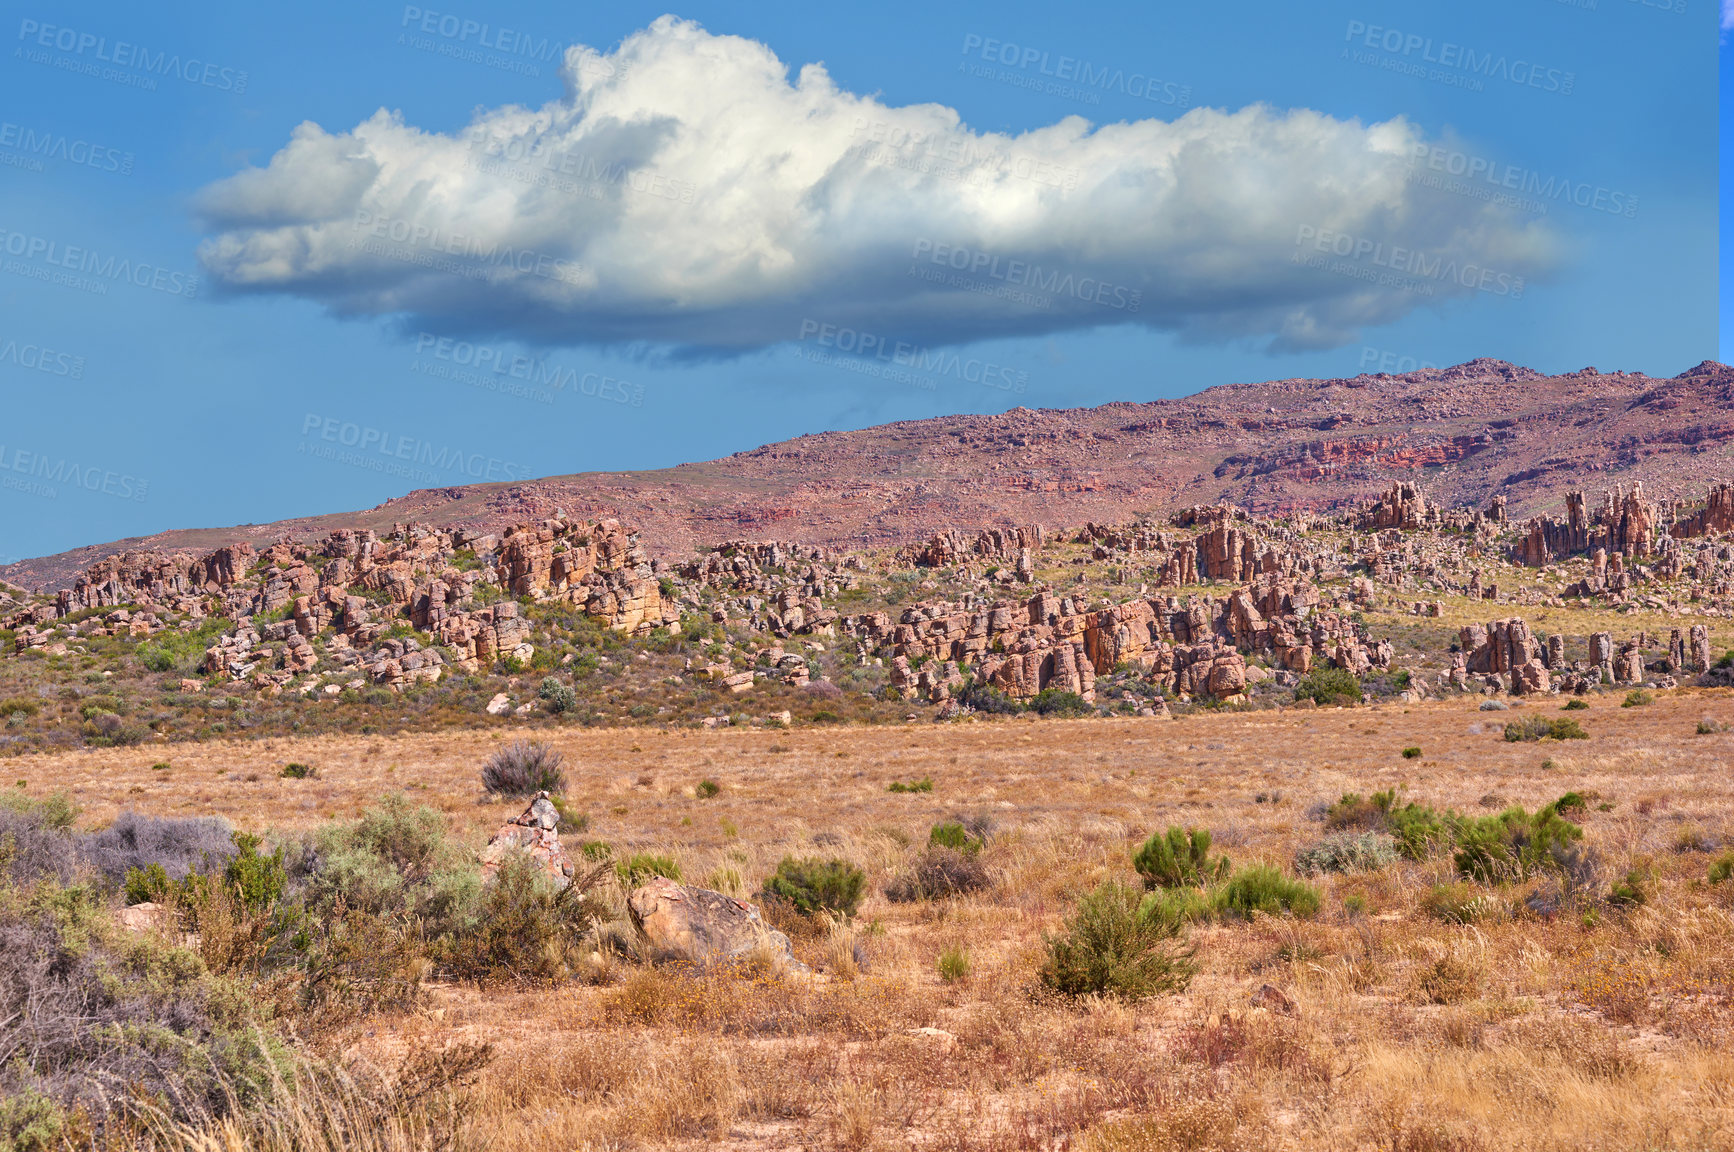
(533,832)
(702,927)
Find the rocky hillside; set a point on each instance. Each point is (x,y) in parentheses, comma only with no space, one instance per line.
(1469,433)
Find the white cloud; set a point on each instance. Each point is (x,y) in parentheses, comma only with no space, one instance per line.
(683,192)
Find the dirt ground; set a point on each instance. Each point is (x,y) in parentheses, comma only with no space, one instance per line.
(1606,1030)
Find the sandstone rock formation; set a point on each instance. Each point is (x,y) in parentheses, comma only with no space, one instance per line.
(535,831)
(702,927)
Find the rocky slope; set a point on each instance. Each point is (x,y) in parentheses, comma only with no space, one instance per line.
(1470,433)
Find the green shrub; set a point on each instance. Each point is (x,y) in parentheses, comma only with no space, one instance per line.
(641,866)
(1575,704)
(705,789)
(810,885)
(1058,702)
(398,860)
(19,706)
(1264,888)
(1541,728)
(1633,890)
(1417,828)
(558,695)
(299,772)
(1412,753)
(1459,903)
(982,697)
(1327,684)
(955,836)
(148,884)
(925,784)
(526,931)
(1708,728)
(1637,698)
(1722,869)
(1110,947)
(1513,845)
(1179,858)
(1180,905)
(954,964)
(256,879)
(1571,802)
(1348,852)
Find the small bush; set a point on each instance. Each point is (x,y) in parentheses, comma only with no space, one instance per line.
(811,885)
(19,706)
(1058,702)
(1541,728)
(1459,903)
(641,866)
(1637,698)
(986,698)
(1326,684)
(1416,827)
(1111,948)
(1348,852)
(1263,888)
(1708,728)
(526,930)
(34,842)
(1412,753)
(1722,869)
(954,964)
(925,784)
(952,834)
(1575,704)
(705,789)
(558,695)
(1633,890)
(1571,802)
(523,768)
(1448,980)
(937,873)
(1513,845)
(299,772)
(1179,858)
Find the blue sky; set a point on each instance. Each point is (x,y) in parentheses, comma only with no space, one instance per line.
(262,263)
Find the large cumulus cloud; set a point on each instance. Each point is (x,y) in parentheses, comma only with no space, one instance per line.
(685,193)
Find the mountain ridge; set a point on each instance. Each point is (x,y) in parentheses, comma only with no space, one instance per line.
(1464,432)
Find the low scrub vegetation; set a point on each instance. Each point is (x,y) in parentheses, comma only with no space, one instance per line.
(524,768)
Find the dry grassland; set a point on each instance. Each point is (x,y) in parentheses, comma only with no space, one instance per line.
(1411,1034)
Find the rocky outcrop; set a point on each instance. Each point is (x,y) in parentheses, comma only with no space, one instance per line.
(534,832)
(698,926)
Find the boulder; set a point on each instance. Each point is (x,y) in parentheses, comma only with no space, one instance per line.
(696,925)
(534,832)
(147,917)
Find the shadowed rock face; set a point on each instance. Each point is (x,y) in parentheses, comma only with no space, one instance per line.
(1479,429)
(699,926)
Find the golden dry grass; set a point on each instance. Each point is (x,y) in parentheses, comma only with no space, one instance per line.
(1411,1033)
